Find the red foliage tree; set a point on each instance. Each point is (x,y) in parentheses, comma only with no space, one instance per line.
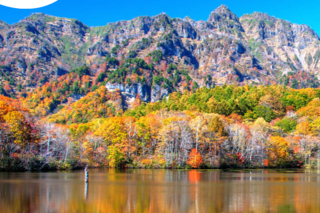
(195,159)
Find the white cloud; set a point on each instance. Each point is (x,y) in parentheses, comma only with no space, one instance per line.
(26,4)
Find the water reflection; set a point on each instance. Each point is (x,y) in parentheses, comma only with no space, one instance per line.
(161,191)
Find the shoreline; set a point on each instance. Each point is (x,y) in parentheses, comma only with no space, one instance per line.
(173,169)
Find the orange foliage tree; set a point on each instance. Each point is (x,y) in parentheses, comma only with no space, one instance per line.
(195,159)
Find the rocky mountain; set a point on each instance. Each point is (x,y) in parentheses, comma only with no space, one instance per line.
(254,48)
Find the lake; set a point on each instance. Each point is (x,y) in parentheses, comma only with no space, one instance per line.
(111,190)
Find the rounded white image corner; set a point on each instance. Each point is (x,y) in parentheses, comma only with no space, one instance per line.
(26,4)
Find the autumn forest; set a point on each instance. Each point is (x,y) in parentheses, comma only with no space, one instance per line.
(221,127)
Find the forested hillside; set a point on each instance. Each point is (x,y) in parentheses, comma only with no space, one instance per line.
(228,126)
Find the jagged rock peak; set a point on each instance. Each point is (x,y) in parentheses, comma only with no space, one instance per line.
(39,16)
(259,16)
(187,18)
(3,25)
(222,9)
(222,12)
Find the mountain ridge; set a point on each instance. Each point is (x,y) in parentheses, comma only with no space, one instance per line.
(251,49)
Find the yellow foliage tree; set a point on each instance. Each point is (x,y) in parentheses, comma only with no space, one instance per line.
(113,131)
(312,109)
(19,128)
(303,128)
(278,149)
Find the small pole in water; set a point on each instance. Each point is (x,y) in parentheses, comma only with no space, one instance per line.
(86,174)
(86,191)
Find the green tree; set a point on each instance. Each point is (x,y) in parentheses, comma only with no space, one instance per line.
(115,156)
(81,71)
(294,84)
(156,56)
(132,54)
(113,62)
(287,124)
(261,111)
(75,88)
(101,77)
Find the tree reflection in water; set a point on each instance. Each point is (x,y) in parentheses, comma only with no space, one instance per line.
(161,191)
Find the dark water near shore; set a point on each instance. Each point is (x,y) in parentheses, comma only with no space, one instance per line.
(162,191)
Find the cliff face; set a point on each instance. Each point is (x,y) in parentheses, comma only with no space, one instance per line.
(130,92)
(255,48)
(296,46)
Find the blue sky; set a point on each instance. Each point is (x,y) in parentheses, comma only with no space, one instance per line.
(101,12)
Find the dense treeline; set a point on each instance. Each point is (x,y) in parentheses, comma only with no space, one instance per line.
(97,104)
(252,102)
(54,95)
(229,126)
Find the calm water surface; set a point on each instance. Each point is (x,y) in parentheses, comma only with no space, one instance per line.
(161,191)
